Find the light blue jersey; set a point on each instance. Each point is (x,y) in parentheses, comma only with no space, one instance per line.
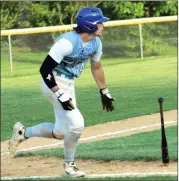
(74,63)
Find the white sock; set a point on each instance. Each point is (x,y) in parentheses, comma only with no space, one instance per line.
(41,130)
(70,144)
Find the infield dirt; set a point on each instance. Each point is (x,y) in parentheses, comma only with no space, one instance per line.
(41,165)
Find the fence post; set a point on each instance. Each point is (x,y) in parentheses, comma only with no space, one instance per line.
(10,52)
(141,41)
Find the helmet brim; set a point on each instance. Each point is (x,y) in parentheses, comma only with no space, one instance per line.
(102,20)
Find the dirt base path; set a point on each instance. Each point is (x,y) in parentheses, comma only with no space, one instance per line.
(41,166)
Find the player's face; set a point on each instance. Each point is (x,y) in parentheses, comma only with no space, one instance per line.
(100,30)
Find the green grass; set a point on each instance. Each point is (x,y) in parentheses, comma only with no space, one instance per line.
(142,146)
(135,84)
(149,178)
(24,63)
(28,63)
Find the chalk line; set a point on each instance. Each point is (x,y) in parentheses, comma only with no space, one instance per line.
(127,174)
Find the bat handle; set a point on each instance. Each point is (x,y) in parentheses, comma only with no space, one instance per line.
(160,100)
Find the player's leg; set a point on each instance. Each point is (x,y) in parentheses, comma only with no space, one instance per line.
(20,133)
(71,139)
(45,130)
(71,128)
(70,124)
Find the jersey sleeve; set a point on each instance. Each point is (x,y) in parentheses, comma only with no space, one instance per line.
(97,56)
(60,49)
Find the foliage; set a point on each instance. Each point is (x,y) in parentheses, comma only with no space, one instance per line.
(122,10)
(157,38)
(157,8)
(27,14)
(13,14)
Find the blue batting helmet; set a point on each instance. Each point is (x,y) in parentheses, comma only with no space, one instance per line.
(88,18)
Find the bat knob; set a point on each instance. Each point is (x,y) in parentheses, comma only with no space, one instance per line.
(160,99)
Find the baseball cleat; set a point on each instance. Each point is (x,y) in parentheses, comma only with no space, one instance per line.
(17,137)
(70,170)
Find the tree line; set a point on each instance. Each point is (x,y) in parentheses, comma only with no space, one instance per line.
(27,14)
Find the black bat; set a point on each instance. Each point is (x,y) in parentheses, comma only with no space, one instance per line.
(164,147)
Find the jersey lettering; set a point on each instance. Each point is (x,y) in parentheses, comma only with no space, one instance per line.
(74,63)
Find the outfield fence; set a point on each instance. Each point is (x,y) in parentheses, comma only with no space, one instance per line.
(25,49)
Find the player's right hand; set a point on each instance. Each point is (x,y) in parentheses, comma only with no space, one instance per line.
(65,101)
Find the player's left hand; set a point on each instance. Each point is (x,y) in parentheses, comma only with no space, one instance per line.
(107,100)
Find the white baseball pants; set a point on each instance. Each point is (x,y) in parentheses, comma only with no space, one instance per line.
(65,121)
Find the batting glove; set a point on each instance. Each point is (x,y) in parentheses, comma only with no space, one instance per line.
(65,101)
(106,100)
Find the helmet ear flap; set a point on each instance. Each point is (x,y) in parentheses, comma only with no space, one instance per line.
(86,26)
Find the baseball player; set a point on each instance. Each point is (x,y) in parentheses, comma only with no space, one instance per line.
(64,62)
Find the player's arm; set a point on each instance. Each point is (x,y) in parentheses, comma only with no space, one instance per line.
(96,67)
(46,72)
(54,57)
(98,74)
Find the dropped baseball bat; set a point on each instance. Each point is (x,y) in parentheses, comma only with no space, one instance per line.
(164,147)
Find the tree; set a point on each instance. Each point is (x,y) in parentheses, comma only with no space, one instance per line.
(160,8)
(12,14)
(122,9)
(27,14)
